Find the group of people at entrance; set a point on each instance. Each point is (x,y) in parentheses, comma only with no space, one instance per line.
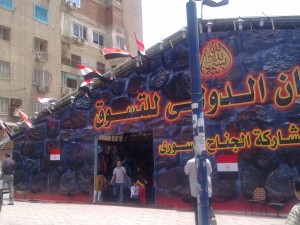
(119,180)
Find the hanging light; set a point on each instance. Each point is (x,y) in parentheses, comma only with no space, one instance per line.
(183,33)
(261,21)
(200,27)
(240,23)
(53,105)
(161,44)
(209,26)
(36,115)
(72,99)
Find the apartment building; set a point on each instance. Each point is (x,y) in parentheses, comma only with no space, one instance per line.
(42,41)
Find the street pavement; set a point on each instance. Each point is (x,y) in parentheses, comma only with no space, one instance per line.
(41,213)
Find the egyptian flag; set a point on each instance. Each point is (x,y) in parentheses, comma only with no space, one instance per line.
(227,166)
(4,128)
(140,45)
(45,101)
(114,53)
(25,118)
(84,87)
(90,73)
(54,154)
(212,3)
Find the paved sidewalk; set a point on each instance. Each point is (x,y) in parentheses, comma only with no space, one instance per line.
(30,213)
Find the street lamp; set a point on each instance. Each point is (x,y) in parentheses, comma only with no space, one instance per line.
(197,111)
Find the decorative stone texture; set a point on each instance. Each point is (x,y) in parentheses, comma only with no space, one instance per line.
(85,179)
(67,183)
(177,57)
(39,183)
(37,150)
(120,104)
(74,154)
(250,178)
(37,133)
(159,79)
(223,189)
(136,85)
(31,166)
(178,88)
(21,180)
(76,119)
(280,184)
(118,87)
(52,128)
(54,180)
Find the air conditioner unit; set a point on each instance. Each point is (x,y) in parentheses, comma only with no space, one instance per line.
(43,88)
(42,56)
(71,5)
(66,90)
(16,101)
(16,113)
(78,41)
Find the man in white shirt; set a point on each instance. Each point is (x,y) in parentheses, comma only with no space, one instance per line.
(191,170)
(119,175)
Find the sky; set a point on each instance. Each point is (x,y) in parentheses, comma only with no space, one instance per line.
(161,18)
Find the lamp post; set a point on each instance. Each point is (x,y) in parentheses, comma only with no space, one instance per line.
(197,111)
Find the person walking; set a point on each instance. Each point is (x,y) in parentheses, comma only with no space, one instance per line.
(119,175)
(191,170)
(8,169)
(294,215)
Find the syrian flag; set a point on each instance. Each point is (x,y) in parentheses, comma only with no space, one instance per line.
(90,73)
(114,53)
(140,45)
(227,166)
(45,101)
(54,154)
(25,118)
(212,3)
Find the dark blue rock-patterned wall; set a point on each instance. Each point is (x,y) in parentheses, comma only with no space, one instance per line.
(226,66)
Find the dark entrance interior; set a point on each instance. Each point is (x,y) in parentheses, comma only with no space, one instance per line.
(135,150)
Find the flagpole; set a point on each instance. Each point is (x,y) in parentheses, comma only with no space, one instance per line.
(197,113)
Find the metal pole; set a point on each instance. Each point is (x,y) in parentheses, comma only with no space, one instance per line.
(197,111)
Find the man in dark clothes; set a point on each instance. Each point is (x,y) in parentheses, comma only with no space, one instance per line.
(8,169)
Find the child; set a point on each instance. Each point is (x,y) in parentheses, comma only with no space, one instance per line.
(141,183)
(294,215)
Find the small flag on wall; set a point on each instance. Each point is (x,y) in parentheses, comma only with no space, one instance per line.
(25,118)
(54,154)
(140,45)
(227,166)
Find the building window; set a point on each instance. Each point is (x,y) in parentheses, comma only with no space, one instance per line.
(41,77)
(101,67)
(79,31)
(119,42)
(40,45)
(7,4)
(70,80)
(77,3)
(4,69)
(97,38)
(5,33)
(75,60)
(37,106)
(4,105)
(41,14)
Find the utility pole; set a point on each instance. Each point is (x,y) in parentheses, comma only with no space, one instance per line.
(197,111)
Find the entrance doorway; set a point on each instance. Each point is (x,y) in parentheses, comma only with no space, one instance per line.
(135,151)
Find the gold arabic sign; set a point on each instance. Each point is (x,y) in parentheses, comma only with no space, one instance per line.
(244,141)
